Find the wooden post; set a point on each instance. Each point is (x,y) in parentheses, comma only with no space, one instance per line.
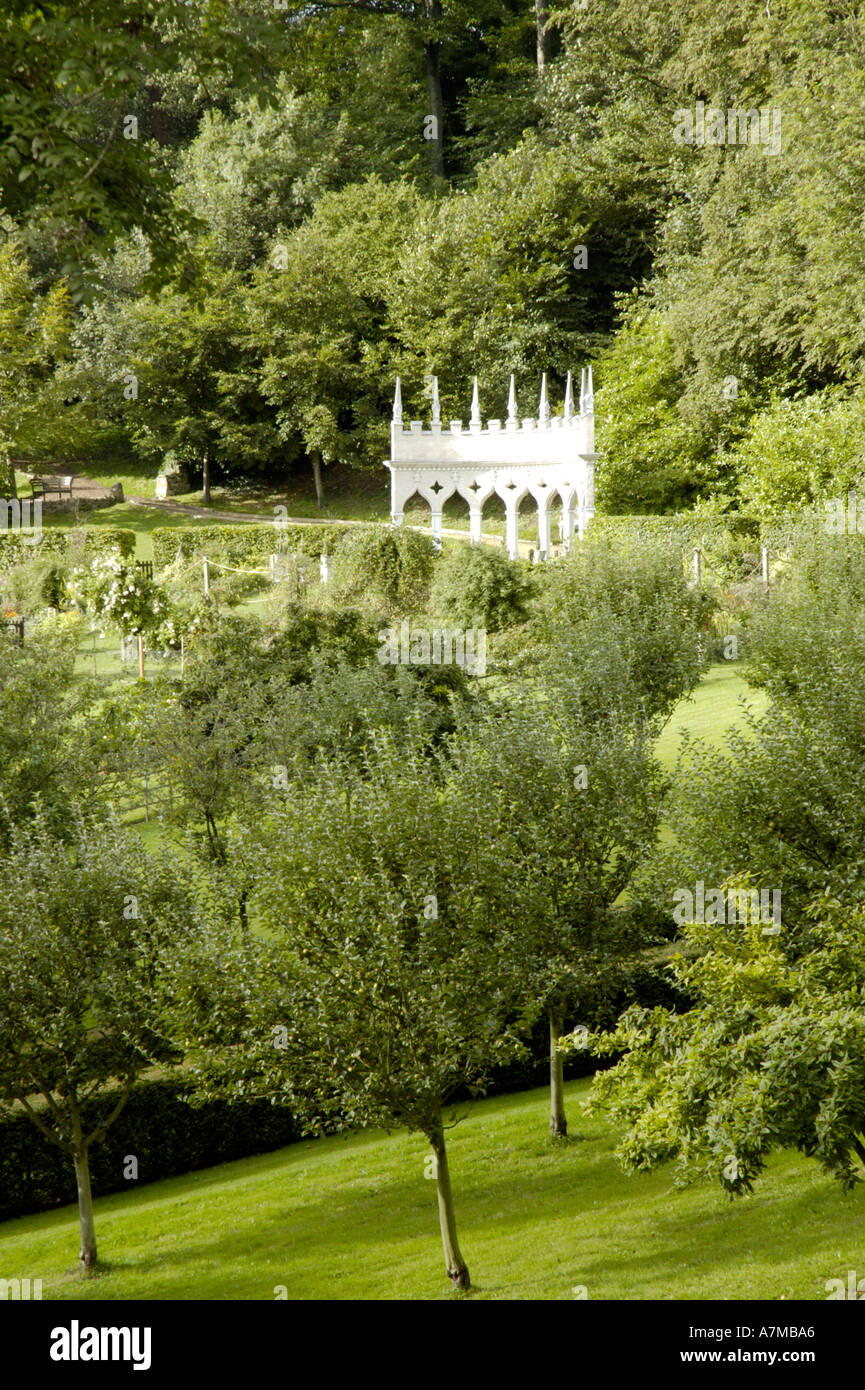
(698,564)
(764,555)
(323,569)
(140,657)
(206,563)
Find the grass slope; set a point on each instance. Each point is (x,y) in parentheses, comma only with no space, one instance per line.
(354,1218)
(714,708)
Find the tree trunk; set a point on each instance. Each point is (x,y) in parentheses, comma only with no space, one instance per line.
(205,482)
(544,36)
(455,1264)
(435,100)
(316,473)
(10,475)
(558,1120)
(87,1253)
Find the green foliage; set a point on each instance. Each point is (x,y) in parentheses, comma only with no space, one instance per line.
(31,588)
(249,545)
(70,545)
(49,739)
(620,629)
(652,458)
(318,321)
(479,586)
(797,453)
(157,1125)
(782,800)
(771,1056)
(34,333)
(386,568)
(69,76)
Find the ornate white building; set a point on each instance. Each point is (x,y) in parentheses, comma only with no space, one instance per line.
(544,458)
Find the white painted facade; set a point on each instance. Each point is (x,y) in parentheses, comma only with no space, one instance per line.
(543,458)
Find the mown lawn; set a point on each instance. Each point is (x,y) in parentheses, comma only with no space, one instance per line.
(354,1218)
(714,708)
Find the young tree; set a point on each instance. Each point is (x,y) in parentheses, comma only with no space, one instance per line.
(84,923)
(573,810)
(612,646)
(619,629)
(395,983)
(50,735)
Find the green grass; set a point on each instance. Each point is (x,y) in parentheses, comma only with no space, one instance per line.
(141,520)
(355,1219)
(714,708)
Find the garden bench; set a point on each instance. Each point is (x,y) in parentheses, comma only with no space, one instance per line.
(42,486)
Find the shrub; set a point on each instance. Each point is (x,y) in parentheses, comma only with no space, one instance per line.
(73,545)
(388,568)
(41,584)
(478,585)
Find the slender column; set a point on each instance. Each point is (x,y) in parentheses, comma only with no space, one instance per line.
(589,496)
(436,517)
(475,524)
(511,528)
(544,529)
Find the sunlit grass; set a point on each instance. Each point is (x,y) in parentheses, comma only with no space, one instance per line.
(354,1218)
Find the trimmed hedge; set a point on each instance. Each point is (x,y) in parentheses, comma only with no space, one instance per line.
(71,545)
(678,528)
(165,1133)
(250,544)
(688,530)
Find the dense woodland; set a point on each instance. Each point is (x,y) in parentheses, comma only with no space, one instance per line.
(226,246)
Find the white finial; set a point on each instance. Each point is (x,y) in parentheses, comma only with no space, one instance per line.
(569,399)
(544,407)
(476,406)
(436,408)
(587,402)
(512,402)
(397,404)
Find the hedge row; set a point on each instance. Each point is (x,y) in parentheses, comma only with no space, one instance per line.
(250,544)
(157,1126)
(734,528)
(679,528)
(74,544)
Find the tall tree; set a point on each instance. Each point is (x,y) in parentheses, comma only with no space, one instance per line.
(72,160)
(34,335)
